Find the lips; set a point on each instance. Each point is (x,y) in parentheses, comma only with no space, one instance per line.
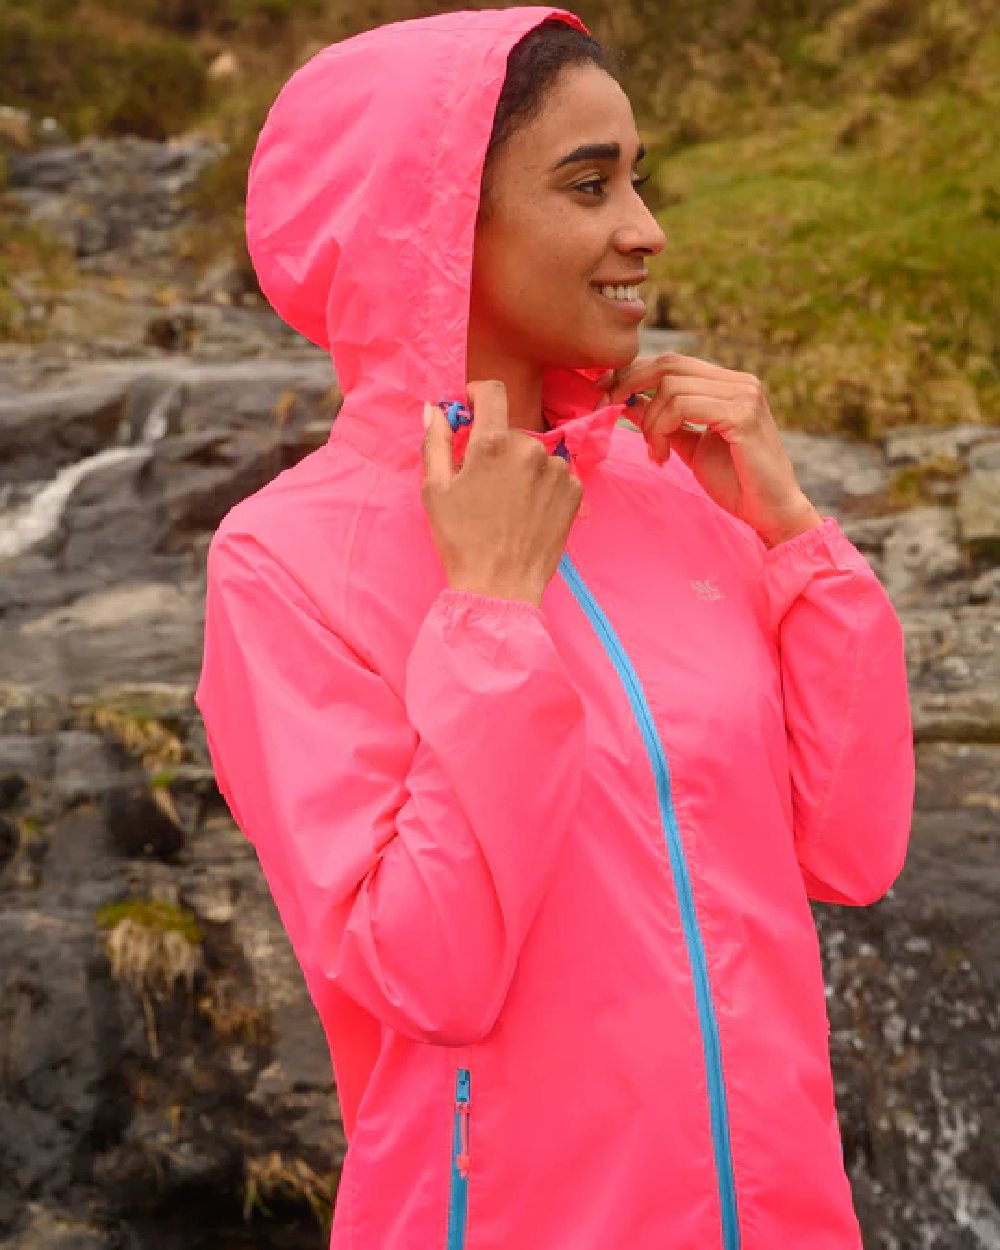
(633,308)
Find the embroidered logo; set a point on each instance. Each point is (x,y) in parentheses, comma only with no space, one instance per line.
(706,589)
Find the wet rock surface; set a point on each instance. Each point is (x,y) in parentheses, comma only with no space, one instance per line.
(164,1080)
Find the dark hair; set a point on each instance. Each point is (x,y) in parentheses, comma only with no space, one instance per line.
(532,67)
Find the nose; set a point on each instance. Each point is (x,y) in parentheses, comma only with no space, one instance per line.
(640,233)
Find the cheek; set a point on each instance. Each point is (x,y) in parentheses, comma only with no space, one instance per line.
(537,262)
(560,258)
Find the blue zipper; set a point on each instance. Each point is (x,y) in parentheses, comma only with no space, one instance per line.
(685,898)
(458,1197)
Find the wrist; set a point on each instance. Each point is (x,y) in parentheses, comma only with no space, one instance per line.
(497,590)
(805,518)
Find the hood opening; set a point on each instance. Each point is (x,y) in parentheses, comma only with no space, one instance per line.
(362,197)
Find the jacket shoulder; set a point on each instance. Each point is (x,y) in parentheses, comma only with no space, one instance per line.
(306,519)
(290,494)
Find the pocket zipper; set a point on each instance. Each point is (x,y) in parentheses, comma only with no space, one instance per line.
(458,1196)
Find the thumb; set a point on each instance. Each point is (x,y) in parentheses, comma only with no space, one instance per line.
(439,465)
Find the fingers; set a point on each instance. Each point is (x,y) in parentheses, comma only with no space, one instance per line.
(663,436)
(488,405)
(646,371)
(439,465)
(678,432)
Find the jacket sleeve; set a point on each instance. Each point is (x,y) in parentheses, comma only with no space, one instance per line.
(406,839)
(847,714)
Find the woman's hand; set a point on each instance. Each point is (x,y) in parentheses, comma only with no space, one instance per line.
(734,450)
(500,522)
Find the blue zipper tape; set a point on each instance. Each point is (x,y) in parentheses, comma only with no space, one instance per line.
(682,884)
(458,1194)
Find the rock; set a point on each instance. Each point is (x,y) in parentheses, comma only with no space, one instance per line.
(83,766)
(174,332)
(12,787)
(50,1230)
(985,456)
(10,841)
(833,471)
(122,177)
(920,552)
(956,775)
(139,825)
(953,661)
(916,444)
(94,235)
(979,513)
(58,1050)
(49,429)
(23,759)
(132,632)
(986,587)
(222,282)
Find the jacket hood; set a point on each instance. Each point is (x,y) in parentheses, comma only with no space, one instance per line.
(361,207)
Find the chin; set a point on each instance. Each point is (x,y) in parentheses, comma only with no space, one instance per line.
(621,352)
(627,354)
(603,352)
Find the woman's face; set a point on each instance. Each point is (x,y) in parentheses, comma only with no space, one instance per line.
(555,229)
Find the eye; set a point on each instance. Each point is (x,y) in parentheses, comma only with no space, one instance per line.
(600,182)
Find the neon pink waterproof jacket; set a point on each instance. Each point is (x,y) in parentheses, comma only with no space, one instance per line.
(547,869)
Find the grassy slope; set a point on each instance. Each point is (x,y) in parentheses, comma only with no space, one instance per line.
(857,274)
(825,173)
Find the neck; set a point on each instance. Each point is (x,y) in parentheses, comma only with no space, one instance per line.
(521,377)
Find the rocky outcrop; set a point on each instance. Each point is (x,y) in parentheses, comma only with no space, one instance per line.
(163,1076)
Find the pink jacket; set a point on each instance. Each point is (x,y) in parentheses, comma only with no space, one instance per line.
(546,870)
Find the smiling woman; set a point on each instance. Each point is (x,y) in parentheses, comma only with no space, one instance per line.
(543,836)
(562,231)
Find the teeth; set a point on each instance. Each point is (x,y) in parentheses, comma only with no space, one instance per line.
(620,292)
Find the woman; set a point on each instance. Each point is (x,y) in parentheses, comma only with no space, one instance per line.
(543,844)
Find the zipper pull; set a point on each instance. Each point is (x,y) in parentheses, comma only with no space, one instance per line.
(462,1158)
(456,412)
(462,1107)
(564,453)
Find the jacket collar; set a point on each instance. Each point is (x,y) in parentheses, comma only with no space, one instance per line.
(580,421)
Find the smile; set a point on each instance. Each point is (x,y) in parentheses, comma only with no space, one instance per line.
(625,298)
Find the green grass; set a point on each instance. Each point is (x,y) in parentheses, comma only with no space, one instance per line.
(152,914)
(93,81)
(873,264)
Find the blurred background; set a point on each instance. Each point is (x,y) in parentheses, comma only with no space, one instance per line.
(827,173)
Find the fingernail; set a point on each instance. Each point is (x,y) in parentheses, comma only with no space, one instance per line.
(428,413)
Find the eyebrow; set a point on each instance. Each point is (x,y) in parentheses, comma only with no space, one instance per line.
(597,152)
